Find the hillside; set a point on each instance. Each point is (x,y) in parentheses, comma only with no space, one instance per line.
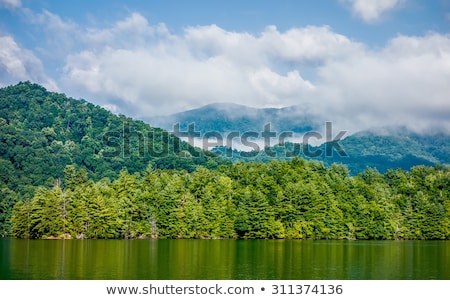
(41,133)
(297,199)
(385,152)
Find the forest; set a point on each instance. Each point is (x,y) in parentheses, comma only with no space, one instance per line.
(59,179)
(42,132)
(298,199)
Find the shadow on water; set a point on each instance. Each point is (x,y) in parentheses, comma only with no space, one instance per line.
(223,259)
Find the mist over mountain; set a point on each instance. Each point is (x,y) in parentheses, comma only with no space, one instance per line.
(229,117)
(382,148)
(42,132)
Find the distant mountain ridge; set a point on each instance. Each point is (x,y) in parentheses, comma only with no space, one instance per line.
(392,151)
(228,117)
(363,149)
(381,148)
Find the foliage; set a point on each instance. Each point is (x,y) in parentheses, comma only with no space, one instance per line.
(42,132)
(296,200)
(59,178)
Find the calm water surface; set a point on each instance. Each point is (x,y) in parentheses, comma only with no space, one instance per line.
(223,259)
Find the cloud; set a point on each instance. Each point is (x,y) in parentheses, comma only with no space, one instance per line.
(144,70)
(404,83)
(371,11)
(18,64)
(10,4)
(155,72)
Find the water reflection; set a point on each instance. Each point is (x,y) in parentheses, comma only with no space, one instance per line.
(223,259)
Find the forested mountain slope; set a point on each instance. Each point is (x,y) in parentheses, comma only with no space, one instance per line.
(380,148)
(42,132)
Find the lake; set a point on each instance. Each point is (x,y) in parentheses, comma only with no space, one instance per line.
(223,259)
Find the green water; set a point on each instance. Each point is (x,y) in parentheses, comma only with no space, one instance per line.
(223,259)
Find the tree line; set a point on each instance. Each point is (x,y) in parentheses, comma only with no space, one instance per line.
(295,199)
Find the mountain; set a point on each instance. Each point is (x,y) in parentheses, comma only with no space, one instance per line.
(229,117)
(383,151)
(42,132)
(44,135)
(380,148)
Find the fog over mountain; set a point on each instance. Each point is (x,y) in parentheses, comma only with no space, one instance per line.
(382,147)
(230,117)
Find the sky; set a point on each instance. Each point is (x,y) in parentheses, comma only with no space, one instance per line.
(358,63)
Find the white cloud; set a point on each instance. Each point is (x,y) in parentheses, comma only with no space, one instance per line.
(146,70)
(134,28)
(404,83)
(18,64)
(10,4)
(372,10)
(155,72)
(310,43)
(278,89)
(143,69)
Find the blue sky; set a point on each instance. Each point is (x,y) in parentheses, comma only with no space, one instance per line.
(361,63)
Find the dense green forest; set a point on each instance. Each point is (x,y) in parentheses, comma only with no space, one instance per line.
(43,132)
(296,200)
(72,169)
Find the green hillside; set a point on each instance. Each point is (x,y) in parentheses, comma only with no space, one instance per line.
(42,132)
(275,200)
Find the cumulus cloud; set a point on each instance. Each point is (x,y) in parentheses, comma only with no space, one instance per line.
(404,83)
(18,64)
(372,10)
(145,70)
(156,72)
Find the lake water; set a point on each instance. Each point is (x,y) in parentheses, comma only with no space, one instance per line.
(223,259)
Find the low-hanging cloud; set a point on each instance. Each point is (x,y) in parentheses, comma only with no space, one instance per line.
(404,83)
(155,72)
